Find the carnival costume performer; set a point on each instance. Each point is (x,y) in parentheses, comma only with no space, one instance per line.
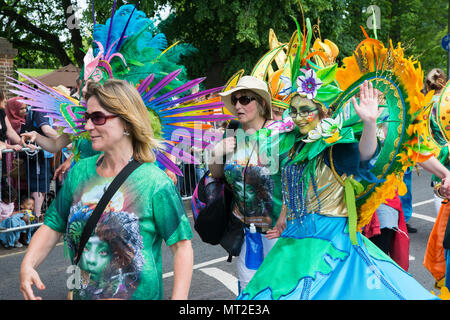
(437,254)
(336,175)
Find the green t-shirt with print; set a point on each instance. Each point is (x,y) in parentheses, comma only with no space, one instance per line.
(122,258)
(254,173)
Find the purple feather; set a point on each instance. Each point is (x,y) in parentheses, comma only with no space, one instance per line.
(207,106)
(145,83)
(166,80)
(188,98)
(178,90)
(93,13)
(167,163)
(192,118)
(111,24)
(125,29)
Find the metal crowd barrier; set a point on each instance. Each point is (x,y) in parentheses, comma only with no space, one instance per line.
(19,160)
(191,173)
(13,172)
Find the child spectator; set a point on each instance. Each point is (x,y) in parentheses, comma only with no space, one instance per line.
(27,209)
(10,219)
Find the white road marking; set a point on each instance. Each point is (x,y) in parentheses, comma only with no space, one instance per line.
(422,203)
(423,217)
(229,281)
(197,266)
(23,251)
(411,258)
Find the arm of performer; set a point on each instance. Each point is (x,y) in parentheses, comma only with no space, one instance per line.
(182,266)
(53,145)
(42,243)
(368,112)
(279,227)
(433,166)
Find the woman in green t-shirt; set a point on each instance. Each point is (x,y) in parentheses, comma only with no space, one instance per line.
(122,258)
(251,168)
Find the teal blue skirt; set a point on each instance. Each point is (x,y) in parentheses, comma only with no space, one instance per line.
(315,260)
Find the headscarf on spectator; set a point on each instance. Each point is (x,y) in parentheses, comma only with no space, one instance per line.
(13,106)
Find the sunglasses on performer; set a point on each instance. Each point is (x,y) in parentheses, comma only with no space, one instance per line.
(243,100)
(98,118)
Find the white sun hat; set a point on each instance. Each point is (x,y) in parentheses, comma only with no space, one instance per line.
(252,84)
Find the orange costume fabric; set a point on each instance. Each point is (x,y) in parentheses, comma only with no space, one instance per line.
(434,259)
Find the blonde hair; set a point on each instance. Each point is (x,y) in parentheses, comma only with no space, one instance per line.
(121,98)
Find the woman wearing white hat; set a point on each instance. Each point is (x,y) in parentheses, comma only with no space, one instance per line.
(248,159)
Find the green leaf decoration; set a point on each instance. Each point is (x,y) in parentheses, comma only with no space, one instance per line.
(352,213)
(327,93)
(135,63)
(327,74)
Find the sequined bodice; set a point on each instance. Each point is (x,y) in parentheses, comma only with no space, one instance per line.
(324,194)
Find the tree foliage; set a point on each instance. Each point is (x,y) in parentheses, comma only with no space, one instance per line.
(230,35)
(233,34)
(38,30)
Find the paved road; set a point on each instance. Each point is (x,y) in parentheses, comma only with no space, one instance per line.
(213,277)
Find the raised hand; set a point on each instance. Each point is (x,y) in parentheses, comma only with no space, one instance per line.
(367,110)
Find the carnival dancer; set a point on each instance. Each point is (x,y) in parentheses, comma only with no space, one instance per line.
(435,254)
(336,175)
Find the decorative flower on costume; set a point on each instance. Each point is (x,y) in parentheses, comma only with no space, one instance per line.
(99,68)
(286,125)
(328,128)
(308,84)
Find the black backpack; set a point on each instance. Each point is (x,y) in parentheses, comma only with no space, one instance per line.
(215,223)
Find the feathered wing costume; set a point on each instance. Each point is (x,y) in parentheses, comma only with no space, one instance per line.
(126,48)
(328,193)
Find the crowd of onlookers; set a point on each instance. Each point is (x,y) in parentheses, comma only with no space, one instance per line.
(25,175)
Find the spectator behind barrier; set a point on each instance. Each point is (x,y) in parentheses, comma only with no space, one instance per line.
(10,219)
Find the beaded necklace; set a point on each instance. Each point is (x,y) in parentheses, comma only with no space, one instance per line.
(293,186)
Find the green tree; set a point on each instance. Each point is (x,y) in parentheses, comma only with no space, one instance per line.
(233,34)
(230,35)
(41,30)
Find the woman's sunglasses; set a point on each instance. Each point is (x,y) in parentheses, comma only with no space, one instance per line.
(98,118)
(243,100)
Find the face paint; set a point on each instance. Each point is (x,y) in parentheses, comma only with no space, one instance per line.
(305,114)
